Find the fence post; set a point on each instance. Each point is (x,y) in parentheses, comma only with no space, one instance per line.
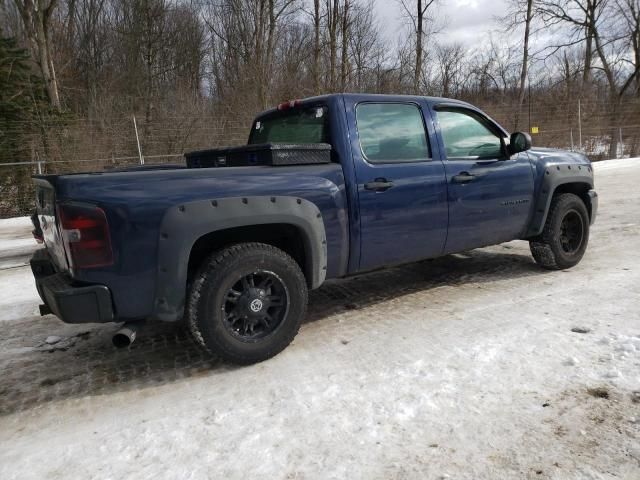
(571,134)
(38,163)
(135,127)
(579,126)
(621,144)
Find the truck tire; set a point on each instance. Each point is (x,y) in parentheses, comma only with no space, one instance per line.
(246,302)
(564,238)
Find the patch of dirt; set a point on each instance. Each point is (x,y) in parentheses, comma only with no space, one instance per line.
(599,392)
(580,330)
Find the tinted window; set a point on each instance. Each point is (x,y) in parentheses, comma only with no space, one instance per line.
(391,132)
(465,136)
(297,125)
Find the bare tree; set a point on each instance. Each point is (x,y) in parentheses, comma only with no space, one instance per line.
(418,14)
(629,15)
(620,71)
(521,12)
(366,50)
(449,58)
(333,18)
(244,38)
(36,18)
(582,16)
(606,29)
(89,21)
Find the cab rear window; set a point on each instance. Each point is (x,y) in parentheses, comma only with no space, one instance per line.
(296,125)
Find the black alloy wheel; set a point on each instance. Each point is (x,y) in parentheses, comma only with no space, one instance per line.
(246,302)
(255,305)
(571,232)
(565,235)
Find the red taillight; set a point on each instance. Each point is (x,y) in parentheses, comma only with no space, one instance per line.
(289,104)
(86,235)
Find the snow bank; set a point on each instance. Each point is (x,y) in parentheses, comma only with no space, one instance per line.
(616,163)
(15,223)
(19,298)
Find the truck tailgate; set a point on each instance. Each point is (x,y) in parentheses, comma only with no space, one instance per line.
(46,211)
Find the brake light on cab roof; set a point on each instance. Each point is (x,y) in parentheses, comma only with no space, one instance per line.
(289,104)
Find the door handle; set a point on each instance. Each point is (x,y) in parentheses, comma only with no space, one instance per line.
(378,185)
(463,177)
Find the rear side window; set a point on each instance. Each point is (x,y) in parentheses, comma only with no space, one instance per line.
(391,132)
(297,125)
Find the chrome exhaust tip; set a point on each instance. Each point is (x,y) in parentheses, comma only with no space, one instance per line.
(124,337)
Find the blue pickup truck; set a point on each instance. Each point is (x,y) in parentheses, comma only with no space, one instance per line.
(233,250)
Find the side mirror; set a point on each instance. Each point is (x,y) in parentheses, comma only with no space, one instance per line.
(519,142)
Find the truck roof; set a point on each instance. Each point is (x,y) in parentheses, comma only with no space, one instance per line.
(363,97)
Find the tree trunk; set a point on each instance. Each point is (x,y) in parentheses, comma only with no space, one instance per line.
(567,78)
(260,61)
(588,51)
(615,96)
(419,32)
(46,65)
(271,37)
(71,24)
(615,117)
(332,15)
(36,19)
(525,62)
(344,70)
(316,46)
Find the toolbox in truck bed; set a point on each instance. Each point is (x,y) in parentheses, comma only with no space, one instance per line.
(273,154)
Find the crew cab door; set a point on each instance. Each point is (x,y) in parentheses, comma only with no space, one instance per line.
(490,193)
(401,189)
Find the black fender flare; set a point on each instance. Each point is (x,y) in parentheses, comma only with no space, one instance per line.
(182,225)
(553,177)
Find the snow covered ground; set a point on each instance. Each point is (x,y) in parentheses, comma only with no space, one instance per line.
(478,365)
(19,297)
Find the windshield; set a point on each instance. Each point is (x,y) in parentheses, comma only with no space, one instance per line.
(297,125)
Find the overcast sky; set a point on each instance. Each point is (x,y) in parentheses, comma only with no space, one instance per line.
(468,21)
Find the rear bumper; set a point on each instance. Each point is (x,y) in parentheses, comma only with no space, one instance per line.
(70,302)
(593,198)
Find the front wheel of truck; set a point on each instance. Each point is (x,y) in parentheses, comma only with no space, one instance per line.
(564,239)
(246,302)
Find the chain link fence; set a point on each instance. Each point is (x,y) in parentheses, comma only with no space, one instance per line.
(89,145)
(107,144)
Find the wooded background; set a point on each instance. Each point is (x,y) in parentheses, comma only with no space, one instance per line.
(74,73)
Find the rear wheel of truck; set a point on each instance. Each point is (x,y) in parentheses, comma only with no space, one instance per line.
(247,302)
(564,239)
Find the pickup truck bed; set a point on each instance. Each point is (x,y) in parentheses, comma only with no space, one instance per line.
(134,225)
